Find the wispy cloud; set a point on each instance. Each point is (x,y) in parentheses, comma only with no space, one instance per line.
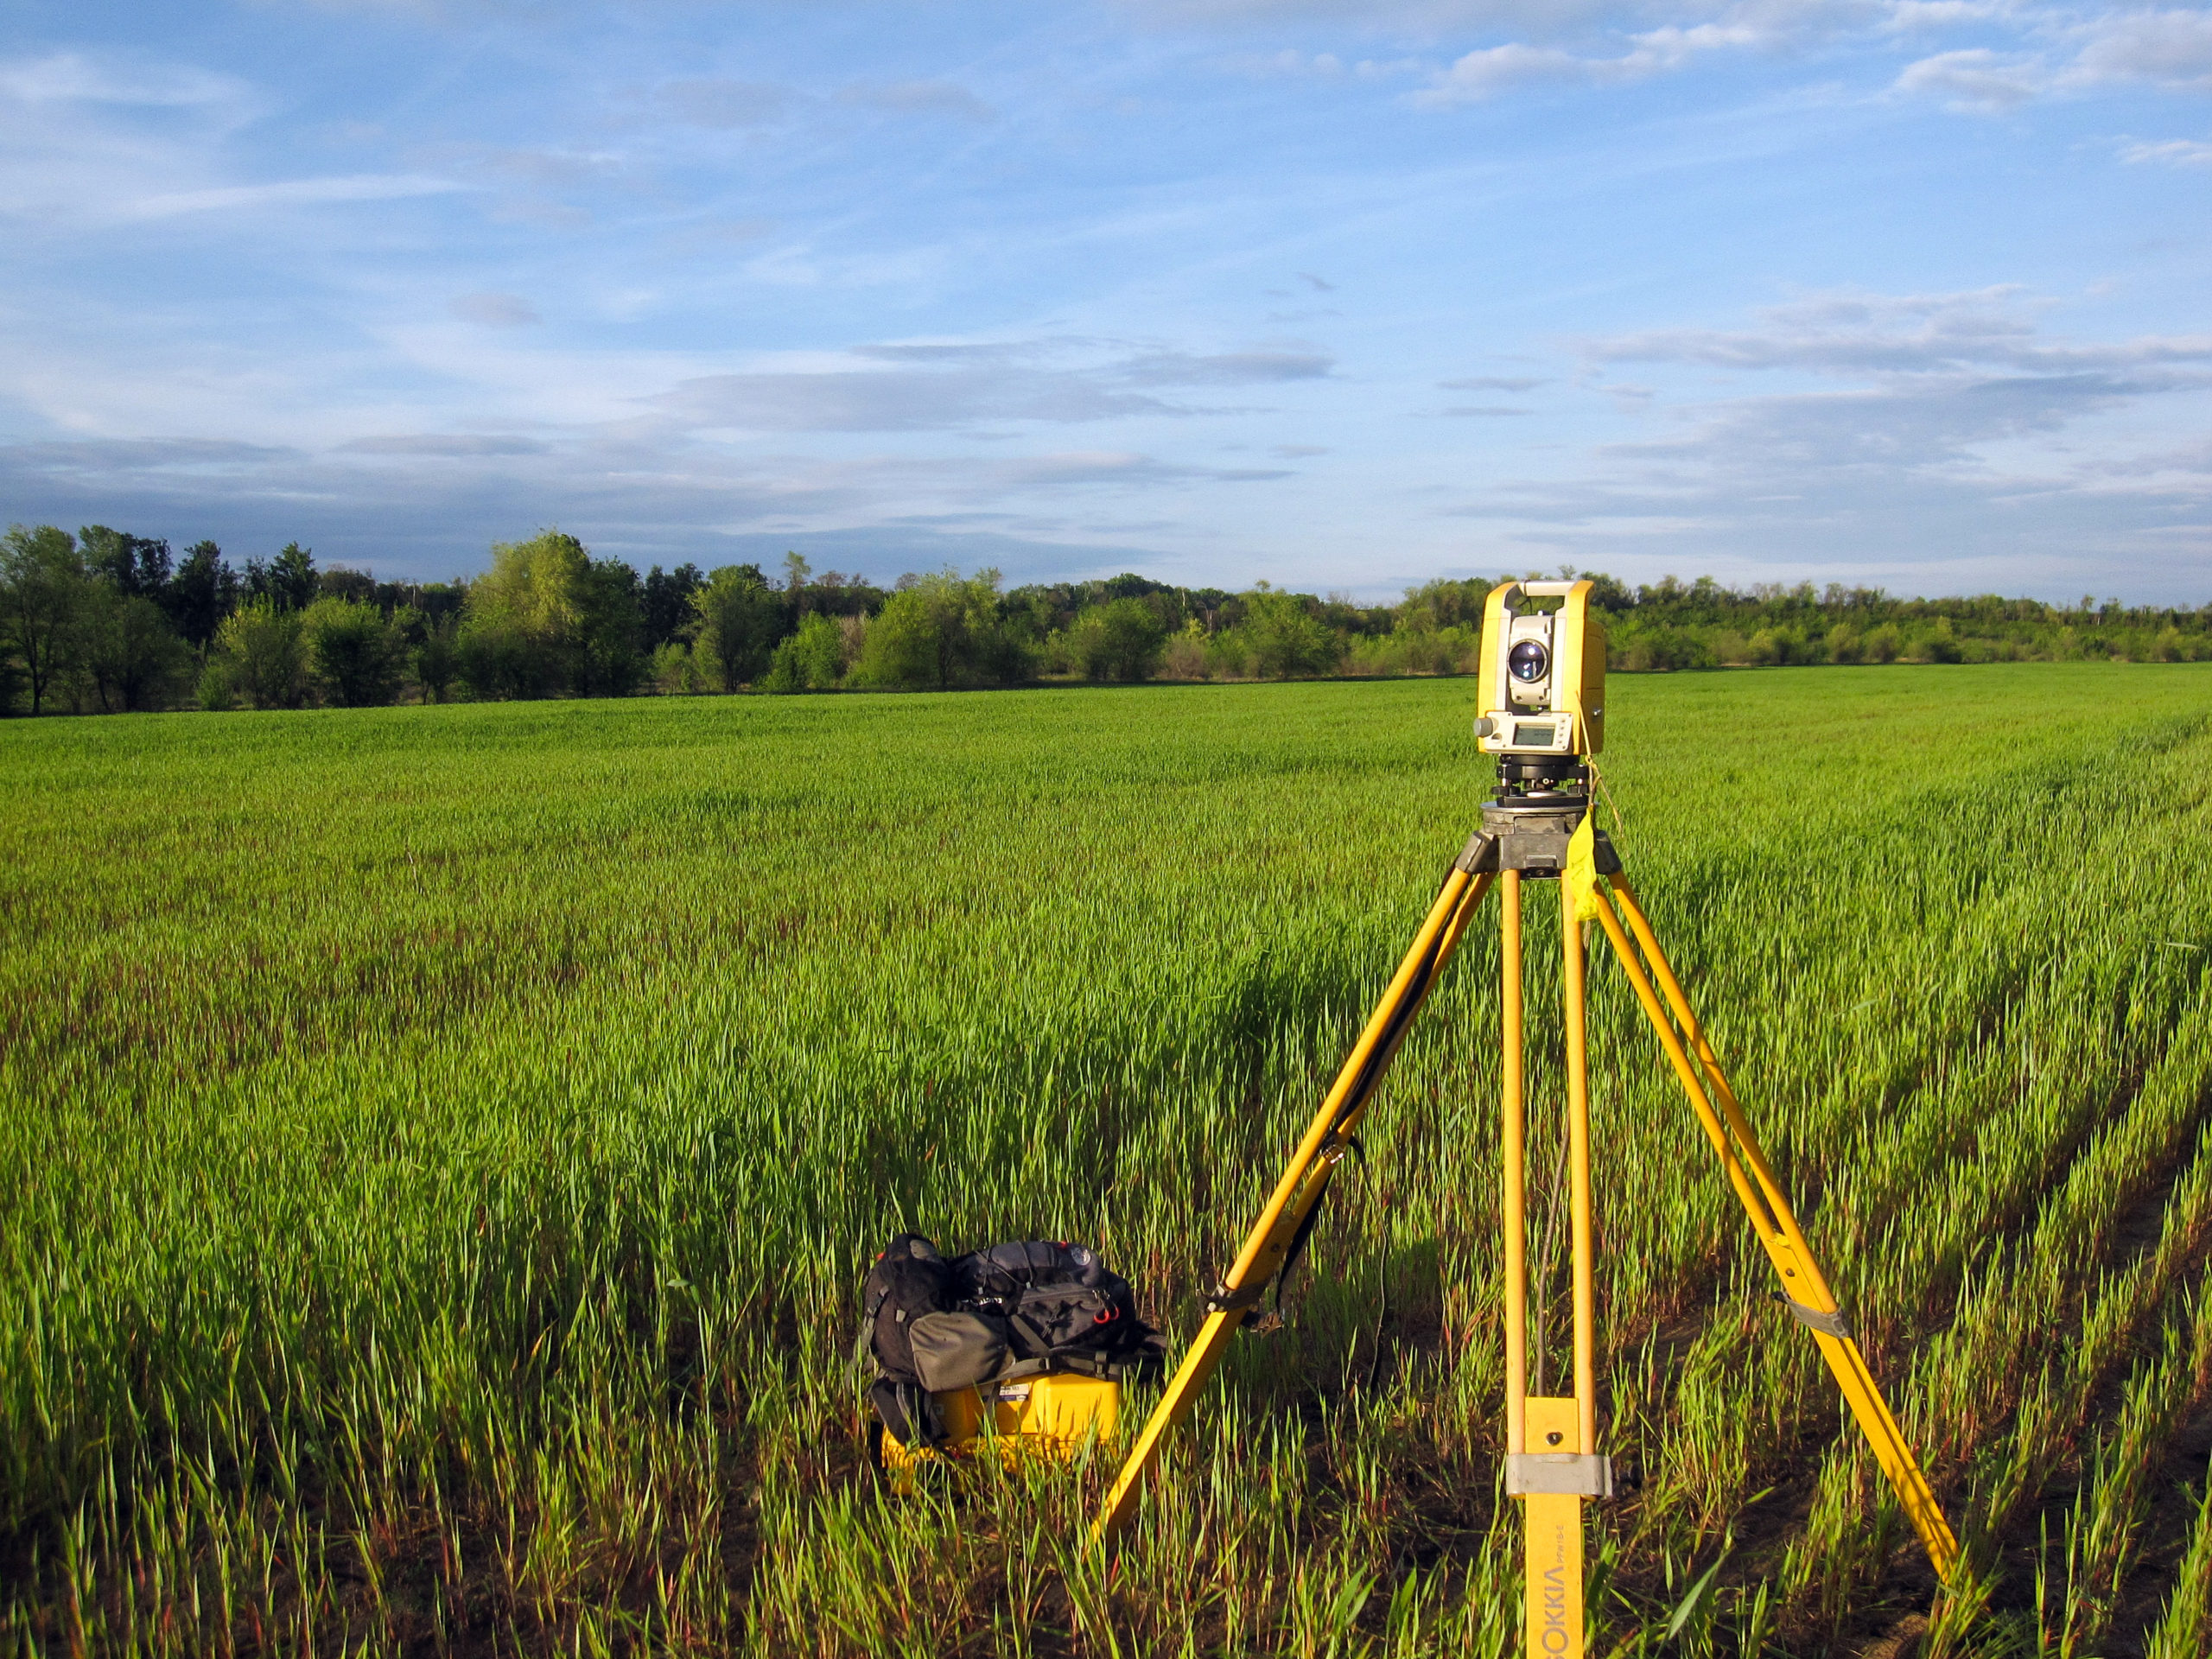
(445,445)
(284,193)
(2168,152)
(494,311)
(78,78)
(2060,53)
(1862,334)
(718,103)
(948,386)
(2168,48)
(1976,79)
(1950,409)
(1489,72)
(940,98)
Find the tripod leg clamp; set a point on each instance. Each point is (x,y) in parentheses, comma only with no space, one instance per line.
(1225,1300)
(1567,1474)
(1828,1325)
(1479,855)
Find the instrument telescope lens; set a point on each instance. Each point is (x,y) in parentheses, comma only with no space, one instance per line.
(1528,662)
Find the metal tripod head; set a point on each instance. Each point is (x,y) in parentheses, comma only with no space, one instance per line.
(1539,802)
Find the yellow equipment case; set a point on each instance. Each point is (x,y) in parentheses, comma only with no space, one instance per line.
(1015,1350)
(1050,1416)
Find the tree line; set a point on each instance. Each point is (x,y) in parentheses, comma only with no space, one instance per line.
(108,621)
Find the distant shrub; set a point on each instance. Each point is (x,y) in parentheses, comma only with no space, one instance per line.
(944,630)
(127,656)
(739,621)
(1122,639)
(813,659)
(265,654)
(677,671)
(352,653)
(1659,649)
(436,660)
(1285,640)
(1184,656)
(216,690)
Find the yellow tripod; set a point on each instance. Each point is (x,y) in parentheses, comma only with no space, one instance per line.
(1552,1465)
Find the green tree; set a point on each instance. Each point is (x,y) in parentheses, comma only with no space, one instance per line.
(1122,639)
(132,564)
(813,659)
(126,653)
(289,581)
(436,661)
(946,630)
(1285,638)
(666,596)
(522,617)
(608,657)
(262,648)
(42,591)
(353,653)
(202,593)
(905,646)
(739,621)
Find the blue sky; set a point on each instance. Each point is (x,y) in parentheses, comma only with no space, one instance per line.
(1341,296)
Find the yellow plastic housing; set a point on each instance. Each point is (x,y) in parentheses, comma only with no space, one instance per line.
(1578,645)
(1039,1416)
(1579,669)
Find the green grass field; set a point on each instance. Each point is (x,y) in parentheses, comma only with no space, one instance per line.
(440,1146)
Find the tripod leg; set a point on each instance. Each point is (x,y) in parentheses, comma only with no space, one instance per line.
(1554,1429)
(1578,1130)
(1269,1244)
(1515,1184)
(1806,1288)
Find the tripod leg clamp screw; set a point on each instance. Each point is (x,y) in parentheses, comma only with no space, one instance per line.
(1225,1300)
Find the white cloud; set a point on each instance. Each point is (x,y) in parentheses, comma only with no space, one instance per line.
(445,445)
(494,311)
(285,193)
(919,97)
(1489,71)
(714,103)
(1864,335)
(1976,79)
(1952,419)
(2169,48)
(72,78)
(2170,152)
(958,385)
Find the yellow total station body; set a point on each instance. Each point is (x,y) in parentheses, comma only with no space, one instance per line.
(1541,690)
(1540,683)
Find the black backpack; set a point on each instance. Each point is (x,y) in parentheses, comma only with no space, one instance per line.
(1026,1309)
(1063,1309)
(908,1281)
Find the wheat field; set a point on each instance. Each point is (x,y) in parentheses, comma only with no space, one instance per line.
(439,1148)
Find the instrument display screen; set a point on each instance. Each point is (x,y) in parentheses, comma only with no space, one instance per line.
(1526,736)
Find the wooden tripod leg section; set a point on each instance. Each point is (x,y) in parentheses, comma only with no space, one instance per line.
(1760,1192)
(1269,1243)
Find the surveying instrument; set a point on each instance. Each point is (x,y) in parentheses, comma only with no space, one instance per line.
(1542,689)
